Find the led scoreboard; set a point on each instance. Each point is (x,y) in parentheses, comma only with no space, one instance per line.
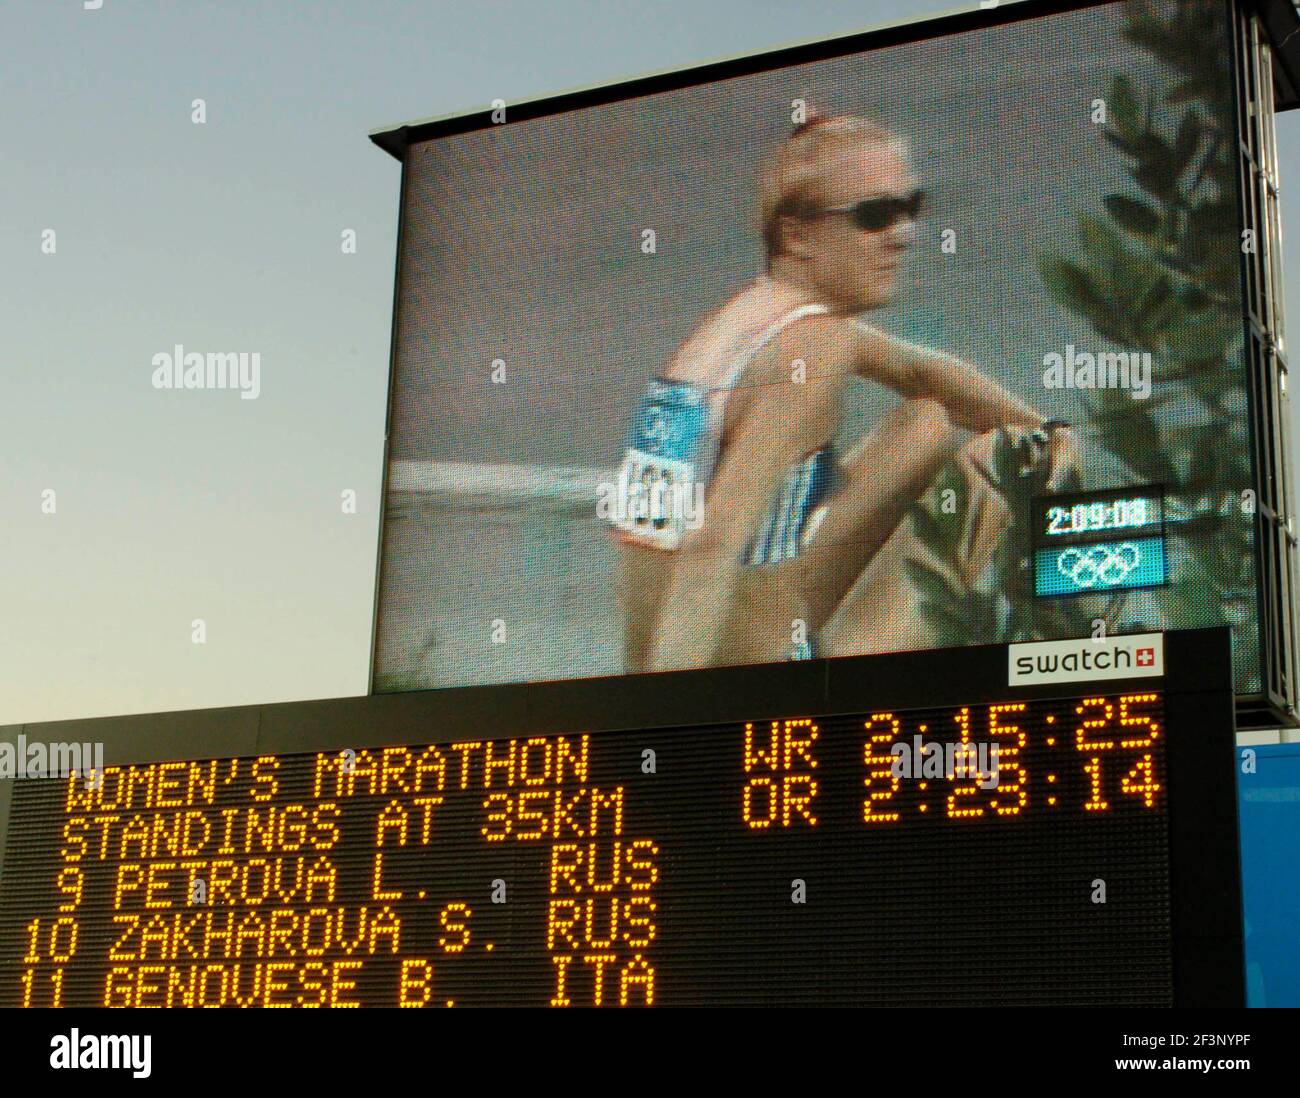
(881,831)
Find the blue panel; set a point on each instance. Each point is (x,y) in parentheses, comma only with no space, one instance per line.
(1270,873)
(1100,566)
(670,421)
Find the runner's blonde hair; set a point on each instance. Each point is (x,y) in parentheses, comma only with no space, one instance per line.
(793,179)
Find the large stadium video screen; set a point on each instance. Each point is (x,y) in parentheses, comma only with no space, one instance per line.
(933,344)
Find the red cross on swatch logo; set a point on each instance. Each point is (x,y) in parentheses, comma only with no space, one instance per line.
(1146,657)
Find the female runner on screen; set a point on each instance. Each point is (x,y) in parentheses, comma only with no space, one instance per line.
(771,566)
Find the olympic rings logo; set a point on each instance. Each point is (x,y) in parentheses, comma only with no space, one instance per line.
(1099,565)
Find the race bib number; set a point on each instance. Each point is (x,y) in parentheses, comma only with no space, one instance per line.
(658,498)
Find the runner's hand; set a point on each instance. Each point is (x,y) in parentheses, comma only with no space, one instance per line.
(1060,447)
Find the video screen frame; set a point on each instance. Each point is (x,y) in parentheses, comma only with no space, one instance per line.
(1269,704)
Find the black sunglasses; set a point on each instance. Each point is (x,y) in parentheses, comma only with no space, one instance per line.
(871,215)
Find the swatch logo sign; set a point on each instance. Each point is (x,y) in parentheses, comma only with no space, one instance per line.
(1139,656)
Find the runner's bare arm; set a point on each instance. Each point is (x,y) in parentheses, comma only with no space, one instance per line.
(783,425)
(972,399)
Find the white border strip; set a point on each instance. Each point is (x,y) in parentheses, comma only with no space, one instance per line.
(503,483)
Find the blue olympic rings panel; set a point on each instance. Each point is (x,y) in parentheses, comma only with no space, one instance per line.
(1100,566)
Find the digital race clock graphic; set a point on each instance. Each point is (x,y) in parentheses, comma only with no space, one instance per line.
(1089,543)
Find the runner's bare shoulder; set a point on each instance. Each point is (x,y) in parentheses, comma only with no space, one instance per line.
(716,337)
(819,347)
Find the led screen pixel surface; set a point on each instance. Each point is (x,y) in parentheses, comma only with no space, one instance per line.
(772,855)
(329,886)
(574,288)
